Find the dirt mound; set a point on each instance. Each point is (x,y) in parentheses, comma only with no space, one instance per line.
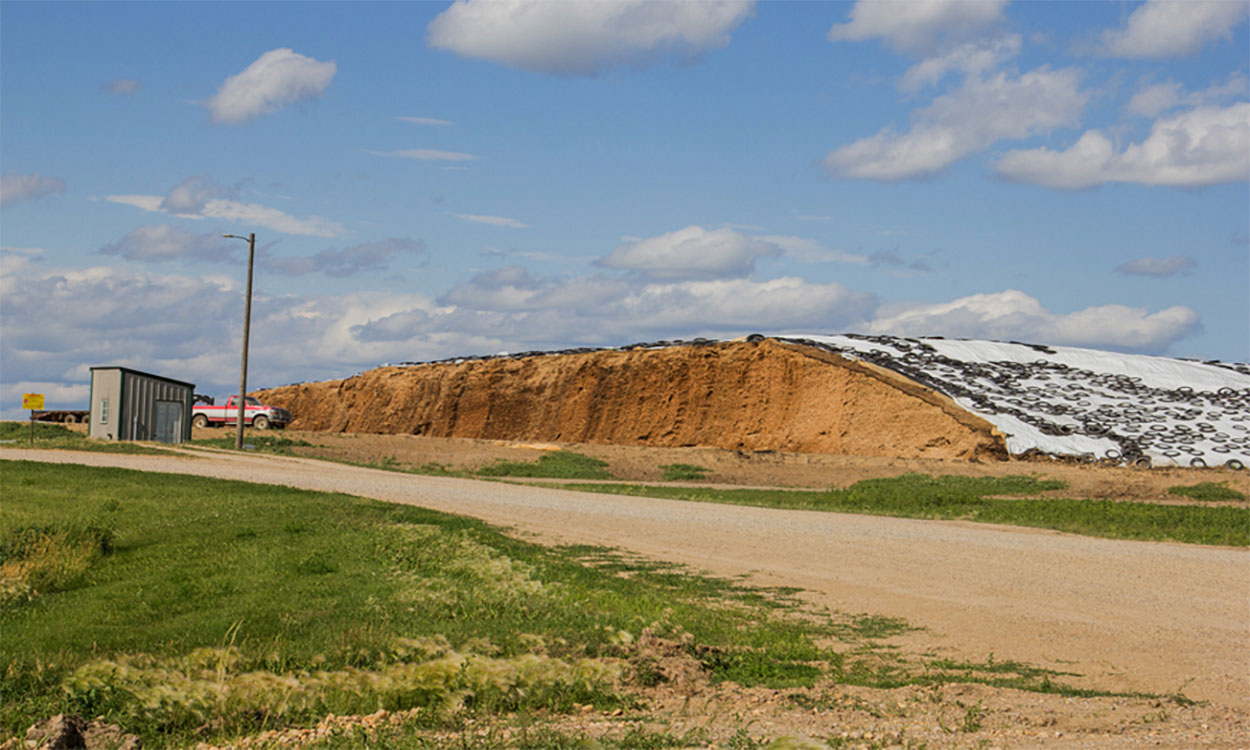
(747,395)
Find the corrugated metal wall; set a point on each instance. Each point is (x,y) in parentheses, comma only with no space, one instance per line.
(139,396)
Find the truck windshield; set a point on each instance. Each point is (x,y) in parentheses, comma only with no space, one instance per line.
(252,402)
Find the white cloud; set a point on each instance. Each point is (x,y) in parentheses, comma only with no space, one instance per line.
(564,311)
(24,187)
(123,86)
(1014,315)
(277,78)
(691,253)
(1202,146)
(1154,100)
(567,37)
(424,154)
(194,199)
(162,242)
(368,256)
(1159,267)
(920,29)
(972,58)
(425,121)
(979,113)
(495,221)
(190,196)
(59,322)
(1171,28)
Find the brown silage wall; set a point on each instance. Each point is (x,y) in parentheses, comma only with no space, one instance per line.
(737,395)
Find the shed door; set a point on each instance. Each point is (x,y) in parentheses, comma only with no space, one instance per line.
(169,421)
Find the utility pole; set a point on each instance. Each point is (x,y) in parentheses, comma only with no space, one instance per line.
(247,328)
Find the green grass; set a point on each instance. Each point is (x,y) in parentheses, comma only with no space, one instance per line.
(58,437)
(211,609)
(246,606)
(682,472)
(1208,491)
(557,465)
(973,499)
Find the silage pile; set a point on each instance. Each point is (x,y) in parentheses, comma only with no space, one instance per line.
(841,394)
(1065,401)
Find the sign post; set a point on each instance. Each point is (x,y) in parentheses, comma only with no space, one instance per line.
(34,402)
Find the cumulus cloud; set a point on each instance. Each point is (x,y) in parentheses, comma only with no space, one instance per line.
(1155,99)
(123,86)
(190,196)
(1202,146)
(982,111)
(368,256)
(1172,28)
(59,322)
(1014,315)
(919,29)
(24,187)
(586,309)
(972,58)
(495,221)
(161,242)
(277,78)
(691,253)
(565,37)
(1158,267)
(424,154)
(200,198)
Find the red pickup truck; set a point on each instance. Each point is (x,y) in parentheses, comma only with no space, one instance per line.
(255,414)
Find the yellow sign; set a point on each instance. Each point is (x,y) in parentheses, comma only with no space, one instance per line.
(32,401)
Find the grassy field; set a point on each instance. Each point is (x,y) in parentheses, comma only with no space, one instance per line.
(184,608)
(981,499)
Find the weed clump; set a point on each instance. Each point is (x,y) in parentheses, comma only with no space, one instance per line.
(558,465)
(222,686)
(682,472)
(45,558)
(1207,491)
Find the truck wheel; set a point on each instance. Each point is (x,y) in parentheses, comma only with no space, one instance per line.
(261,422)
(199,420)
(71,419)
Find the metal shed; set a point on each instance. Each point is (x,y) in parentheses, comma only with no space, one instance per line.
(130,405)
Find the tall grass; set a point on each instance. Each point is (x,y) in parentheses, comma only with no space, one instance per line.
(43,559)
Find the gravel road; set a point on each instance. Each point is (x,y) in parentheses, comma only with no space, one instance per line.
(1129,616)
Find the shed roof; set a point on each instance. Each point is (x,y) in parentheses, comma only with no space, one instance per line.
(144,374)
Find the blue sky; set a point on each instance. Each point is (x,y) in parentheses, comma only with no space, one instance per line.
(431,180)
